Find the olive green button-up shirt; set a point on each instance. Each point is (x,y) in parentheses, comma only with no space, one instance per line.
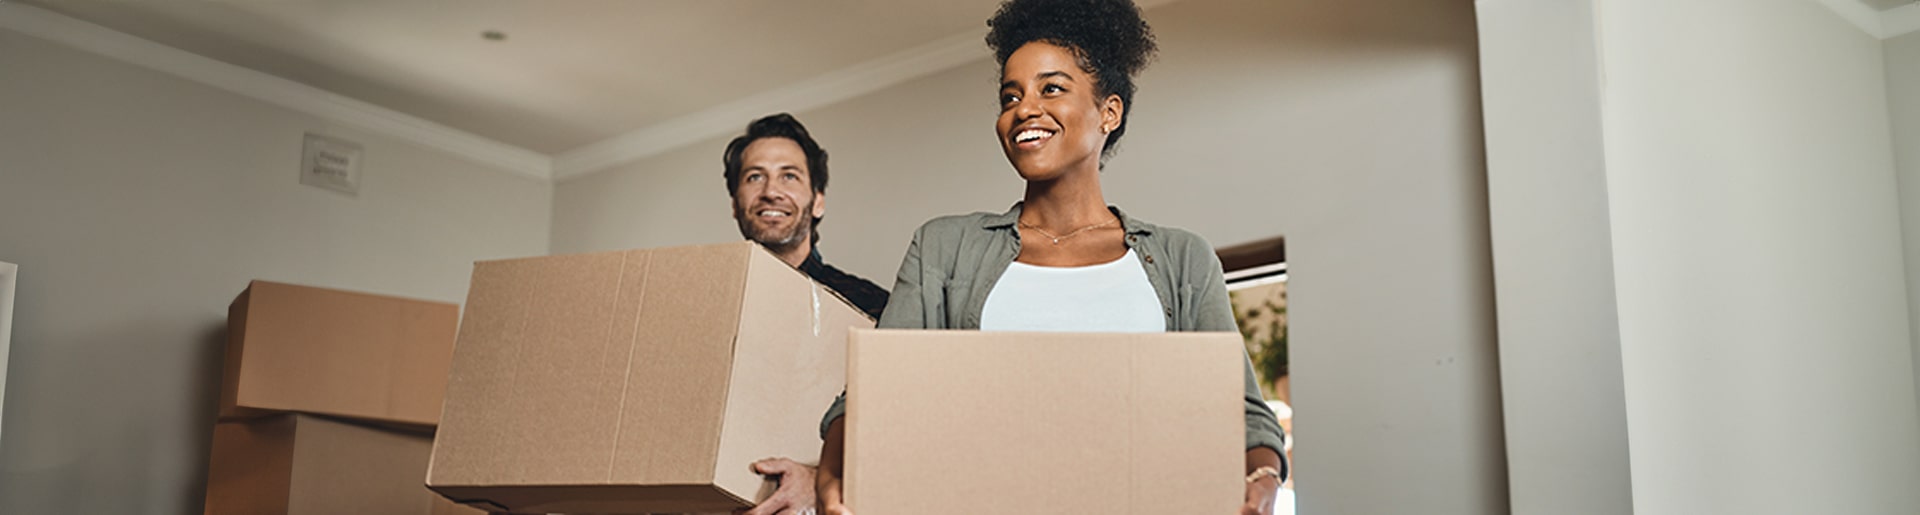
(955,260)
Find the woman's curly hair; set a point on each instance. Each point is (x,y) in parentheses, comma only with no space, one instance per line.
(1109,37)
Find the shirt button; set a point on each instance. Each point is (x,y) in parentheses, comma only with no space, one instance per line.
(1149,259)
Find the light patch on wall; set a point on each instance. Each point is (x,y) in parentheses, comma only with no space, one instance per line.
(331,163)
(8,274)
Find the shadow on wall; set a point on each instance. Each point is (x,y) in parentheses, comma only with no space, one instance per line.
(82,448)
(209,354)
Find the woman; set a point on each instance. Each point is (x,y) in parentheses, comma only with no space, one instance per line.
(1062,259)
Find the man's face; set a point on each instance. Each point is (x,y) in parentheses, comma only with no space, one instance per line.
(775,203)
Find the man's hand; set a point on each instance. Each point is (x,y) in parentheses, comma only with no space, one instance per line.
(795,495)
(1260,496)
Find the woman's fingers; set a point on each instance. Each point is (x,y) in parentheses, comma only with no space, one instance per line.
(1260,497)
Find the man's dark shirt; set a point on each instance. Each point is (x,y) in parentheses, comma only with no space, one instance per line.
(865,295)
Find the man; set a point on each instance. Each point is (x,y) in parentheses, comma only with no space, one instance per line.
(777,176)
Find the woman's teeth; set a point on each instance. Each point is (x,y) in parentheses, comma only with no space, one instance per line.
(1030,135)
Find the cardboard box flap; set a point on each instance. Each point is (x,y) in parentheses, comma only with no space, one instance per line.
(560,319)
(526,319)
(481,372)
(688,324)
(1157,418)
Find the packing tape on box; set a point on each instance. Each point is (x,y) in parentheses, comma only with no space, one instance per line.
(816,309)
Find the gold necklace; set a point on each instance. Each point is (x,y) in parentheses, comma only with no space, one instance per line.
(1075,232)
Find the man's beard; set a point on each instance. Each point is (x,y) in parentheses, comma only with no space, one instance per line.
(776,239)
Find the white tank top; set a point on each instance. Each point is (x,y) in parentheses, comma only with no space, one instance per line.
(1112,297)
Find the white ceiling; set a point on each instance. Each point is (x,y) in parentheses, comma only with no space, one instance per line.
(576,86)
(569,73)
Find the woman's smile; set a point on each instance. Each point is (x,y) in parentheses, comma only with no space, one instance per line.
(1029,139)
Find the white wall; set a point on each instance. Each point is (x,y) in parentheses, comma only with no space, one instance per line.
(1353,128)
(1903,100)
(139,204)
(1756,245)
(1560,370)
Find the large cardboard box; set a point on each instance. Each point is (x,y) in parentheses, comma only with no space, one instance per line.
(305,465)
(316,350)
(637,381)
(969,422)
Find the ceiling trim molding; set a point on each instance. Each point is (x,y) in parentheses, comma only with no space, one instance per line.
(1859,14)
(96,39)
(1900,21)
(846,83)
(1886,24)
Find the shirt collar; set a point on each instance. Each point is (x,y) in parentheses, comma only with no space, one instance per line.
(813,259)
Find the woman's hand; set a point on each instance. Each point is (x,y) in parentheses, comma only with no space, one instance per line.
(1260,496)
(1263,472)
(795,495)
(829,493)
(827,481)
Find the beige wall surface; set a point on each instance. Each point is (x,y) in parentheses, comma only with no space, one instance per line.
(1760,283)
(1353,128)
(141,204)
(1560,371)
(1903,100)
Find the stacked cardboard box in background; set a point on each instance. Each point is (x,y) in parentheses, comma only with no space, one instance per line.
(643,381)
(328,402)
(303,464)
